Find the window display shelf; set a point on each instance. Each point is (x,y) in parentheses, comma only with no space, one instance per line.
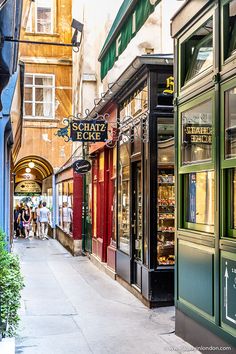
(166,217)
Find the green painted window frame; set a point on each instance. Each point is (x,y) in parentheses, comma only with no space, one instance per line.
(200,166)
(225,58)
(184,170)
(182,72)
(230,162)
(227,166)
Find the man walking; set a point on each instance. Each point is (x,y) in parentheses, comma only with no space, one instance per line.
(44,218)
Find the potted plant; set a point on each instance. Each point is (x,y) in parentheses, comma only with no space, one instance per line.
(11,284)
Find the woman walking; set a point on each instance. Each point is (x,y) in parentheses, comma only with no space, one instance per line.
(26,218)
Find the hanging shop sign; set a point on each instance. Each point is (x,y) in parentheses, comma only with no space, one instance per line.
(28,188)
(195,134)
(81,166)
(229,291)
(118,39)
(88,131)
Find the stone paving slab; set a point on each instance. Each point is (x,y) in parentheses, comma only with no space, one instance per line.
(70,307)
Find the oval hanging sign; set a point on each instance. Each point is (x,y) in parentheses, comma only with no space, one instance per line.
(82,166)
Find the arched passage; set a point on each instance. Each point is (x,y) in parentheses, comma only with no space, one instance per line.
(33,180)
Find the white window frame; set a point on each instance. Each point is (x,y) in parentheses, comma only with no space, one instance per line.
(29,24)
(33,86)
(36,18)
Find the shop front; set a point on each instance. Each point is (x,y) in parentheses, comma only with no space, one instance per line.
(205,115)
(145,197)
(103,201)
(69,200)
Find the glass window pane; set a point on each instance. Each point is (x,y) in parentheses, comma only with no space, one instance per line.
(28,94)
(124,199)
(43,94)
(166,192)
(44,20)
(114,213)
(198,51)
(43,110)
(197,133)
(200,197)
(28,80)
(230,123)
(28,109)
(43,81)
(233,188)
(60,203)
(231,24)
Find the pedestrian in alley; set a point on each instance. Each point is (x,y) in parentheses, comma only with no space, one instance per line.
(44,218)
(26,218)
(16,221)
(20,220)
(38,224)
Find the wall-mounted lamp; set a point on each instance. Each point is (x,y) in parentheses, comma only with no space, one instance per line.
(31,164)
(77,36)
(75,42)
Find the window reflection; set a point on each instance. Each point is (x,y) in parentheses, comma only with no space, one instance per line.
(200,194)
(230,123)
(124,198)
(65,205)
(198,51)
(230,19)
(197,133)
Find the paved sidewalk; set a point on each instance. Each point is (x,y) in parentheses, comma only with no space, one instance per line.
(70,307)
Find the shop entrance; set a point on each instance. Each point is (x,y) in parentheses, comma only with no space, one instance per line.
(137,224)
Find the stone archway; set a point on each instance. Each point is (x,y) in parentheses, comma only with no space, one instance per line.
(33,177)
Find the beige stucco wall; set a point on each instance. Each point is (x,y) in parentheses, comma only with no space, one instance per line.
(155,34)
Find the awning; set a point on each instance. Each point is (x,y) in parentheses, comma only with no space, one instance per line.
(130,18)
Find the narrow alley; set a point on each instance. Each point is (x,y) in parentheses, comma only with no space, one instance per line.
(69,307)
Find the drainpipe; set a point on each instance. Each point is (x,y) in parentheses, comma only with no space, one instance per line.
(54,204)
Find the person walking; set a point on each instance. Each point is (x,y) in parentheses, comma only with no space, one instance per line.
(16,221)
(44,218)
(26,218)
(38,225)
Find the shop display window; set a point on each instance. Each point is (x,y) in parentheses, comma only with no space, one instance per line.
(200,199)
(229,12)
(59,199)
(65,205)
(114,203)
(197,52)
(165,192)
(124,198)
(49,199)
(230,123)
(197,133)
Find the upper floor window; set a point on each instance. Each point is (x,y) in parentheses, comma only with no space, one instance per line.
(39,96)
(40,19)
(198,51)
(44,19)
(230,28)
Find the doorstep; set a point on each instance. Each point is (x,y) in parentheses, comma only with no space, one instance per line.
(7,346)
(102,266)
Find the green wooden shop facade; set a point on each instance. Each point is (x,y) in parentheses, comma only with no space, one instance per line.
(204,33)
